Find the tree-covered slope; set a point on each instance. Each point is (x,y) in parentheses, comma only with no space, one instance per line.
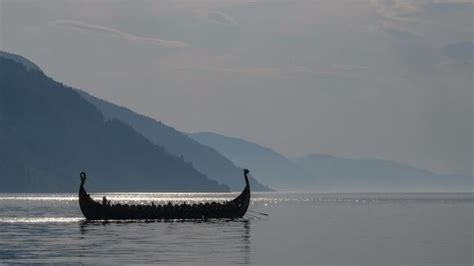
(20,59)
(49,133)
(205,159)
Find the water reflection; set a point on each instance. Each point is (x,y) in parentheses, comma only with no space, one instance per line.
(246,241)
(212,241)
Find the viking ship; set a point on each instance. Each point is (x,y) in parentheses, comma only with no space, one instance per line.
(93,210)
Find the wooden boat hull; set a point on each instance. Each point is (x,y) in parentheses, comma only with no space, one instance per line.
(93,210)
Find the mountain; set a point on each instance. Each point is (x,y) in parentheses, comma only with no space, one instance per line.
(49,133)
(330,173)
(341,174)
(20,59)
(270,166)
(205,159)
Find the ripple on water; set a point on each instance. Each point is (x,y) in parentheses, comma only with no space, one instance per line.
(38,220)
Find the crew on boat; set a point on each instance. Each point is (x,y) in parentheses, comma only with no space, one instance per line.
(201,210)
(105,202)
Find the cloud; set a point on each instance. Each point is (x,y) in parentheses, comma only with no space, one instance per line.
(217,17)
(402,10)
(395,13)
(448,7)
(398,31)
(395,9)
(107,32)
(258,71)
(349,67)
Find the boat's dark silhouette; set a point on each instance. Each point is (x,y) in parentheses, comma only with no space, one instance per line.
(93,210)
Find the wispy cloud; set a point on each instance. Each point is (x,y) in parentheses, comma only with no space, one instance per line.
(108,32)
(395,13)
(395,9)
(411,11)
(398,31)
(257,71)
(349,67)
(217,17)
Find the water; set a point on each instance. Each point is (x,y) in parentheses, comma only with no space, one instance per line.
(302,228)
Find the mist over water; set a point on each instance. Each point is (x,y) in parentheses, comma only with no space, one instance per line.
(302,228)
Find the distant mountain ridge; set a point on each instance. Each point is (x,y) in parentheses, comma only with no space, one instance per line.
(270,166)
(366,174)
(203,158)
(329,173)
(49,133)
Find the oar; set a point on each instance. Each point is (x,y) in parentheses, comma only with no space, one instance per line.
(261,213)
(254,216)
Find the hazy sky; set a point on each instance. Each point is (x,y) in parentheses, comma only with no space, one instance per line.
(384,79)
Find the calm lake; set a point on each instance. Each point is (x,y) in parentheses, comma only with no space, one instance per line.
(301,228)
